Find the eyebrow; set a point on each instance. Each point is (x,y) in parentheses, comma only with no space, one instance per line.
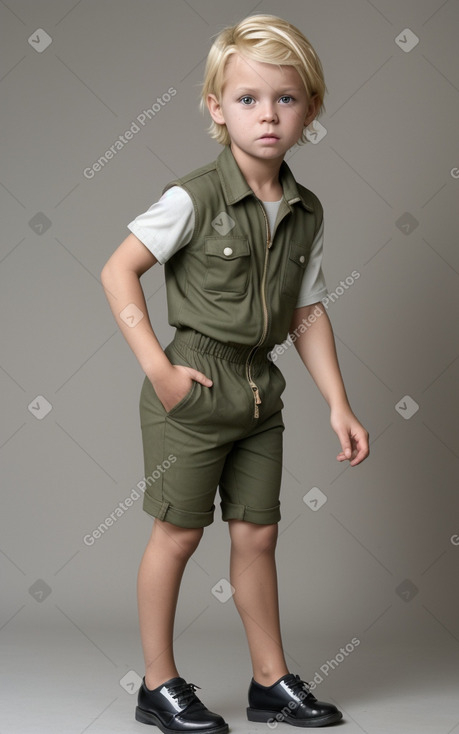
(250,90)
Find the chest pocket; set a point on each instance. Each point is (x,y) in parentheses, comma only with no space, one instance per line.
(294,270)
(227,264)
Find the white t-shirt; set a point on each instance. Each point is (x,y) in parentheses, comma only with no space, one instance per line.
(168,225)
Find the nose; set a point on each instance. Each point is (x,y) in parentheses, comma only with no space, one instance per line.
(268,112)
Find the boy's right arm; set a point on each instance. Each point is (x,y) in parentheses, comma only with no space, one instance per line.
(120,278)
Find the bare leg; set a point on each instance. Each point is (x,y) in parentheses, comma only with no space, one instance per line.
(158,584)
(254,577)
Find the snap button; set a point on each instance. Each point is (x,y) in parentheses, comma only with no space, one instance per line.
(302,258)
(227,251)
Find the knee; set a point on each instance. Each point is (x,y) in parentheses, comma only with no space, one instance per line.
(188,541)
(181,542)
(252,538)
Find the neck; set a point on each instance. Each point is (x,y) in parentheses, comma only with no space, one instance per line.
(262,176)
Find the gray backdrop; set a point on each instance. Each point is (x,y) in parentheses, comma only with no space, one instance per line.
(370,552)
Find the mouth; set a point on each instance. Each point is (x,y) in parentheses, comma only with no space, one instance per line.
(269,136)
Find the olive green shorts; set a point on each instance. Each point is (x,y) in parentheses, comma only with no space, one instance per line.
(211,438)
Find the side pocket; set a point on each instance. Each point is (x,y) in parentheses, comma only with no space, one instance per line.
(181,403)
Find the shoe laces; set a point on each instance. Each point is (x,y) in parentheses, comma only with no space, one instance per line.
(184,693)
(297,685)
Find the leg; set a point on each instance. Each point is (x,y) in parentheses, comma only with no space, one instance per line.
(253,575)
(160,574)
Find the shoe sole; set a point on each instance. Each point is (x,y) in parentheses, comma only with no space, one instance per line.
(263,716)
(146,717)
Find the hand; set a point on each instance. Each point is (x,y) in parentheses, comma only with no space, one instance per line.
(171,386)
(352,436)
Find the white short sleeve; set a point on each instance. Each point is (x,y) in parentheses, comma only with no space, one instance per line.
(167,225)
(313,287)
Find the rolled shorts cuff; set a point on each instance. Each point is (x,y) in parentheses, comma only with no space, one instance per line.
(183,518)
(265,516)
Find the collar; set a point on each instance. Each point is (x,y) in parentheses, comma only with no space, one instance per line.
(235,187)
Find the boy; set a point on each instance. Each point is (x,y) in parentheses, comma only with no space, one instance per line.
(242,245)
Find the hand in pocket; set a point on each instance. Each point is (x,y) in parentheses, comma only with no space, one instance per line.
(172,386)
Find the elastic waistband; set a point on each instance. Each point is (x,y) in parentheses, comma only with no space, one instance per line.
(231,352)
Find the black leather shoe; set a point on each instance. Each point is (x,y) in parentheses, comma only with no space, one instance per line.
(174,707)
(290,701)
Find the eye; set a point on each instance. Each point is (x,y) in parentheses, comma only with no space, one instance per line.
(247,100)
(286,98)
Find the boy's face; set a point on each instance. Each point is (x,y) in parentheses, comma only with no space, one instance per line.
(264,107)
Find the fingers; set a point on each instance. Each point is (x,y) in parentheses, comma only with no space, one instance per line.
(357,457)
(177,384)
(362,446)
(362,452)
(346,446)
(199,377)
(354,448)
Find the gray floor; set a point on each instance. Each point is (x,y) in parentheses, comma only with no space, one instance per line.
(60,680)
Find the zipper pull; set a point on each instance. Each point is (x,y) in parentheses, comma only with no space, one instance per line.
(256,395)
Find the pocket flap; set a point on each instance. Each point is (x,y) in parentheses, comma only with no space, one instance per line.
(298,255)
(227,249)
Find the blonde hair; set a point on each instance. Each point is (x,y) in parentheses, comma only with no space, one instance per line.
(268,39)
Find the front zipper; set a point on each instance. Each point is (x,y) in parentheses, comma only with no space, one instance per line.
(248,365)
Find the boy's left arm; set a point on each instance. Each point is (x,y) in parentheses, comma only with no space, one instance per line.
(316,347)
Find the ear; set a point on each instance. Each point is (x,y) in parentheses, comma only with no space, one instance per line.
(215,109)
(313,110)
